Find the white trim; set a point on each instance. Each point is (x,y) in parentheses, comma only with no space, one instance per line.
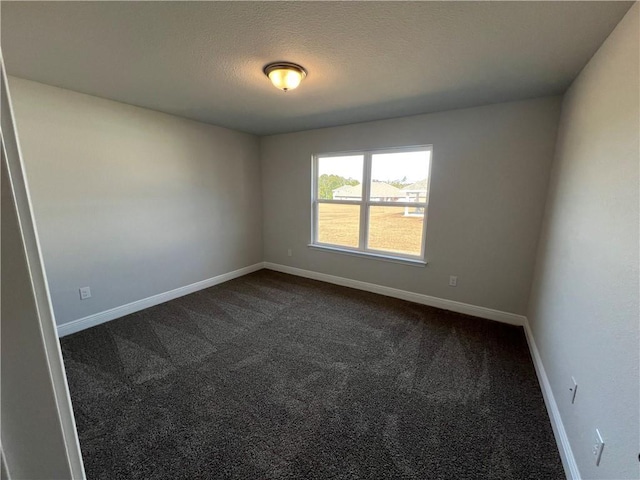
(363,242)
(566,454)
(4,468)
(562,441)
(375,254)
(19,187)
(383,150)
(117,312)
(564,447)
(365,203)
(476,311)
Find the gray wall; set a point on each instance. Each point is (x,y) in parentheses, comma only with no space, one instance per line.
(584,304)
(489,176)
(132,202)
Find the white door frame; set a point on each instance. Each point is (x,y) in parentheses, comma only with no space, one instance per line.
(40,290)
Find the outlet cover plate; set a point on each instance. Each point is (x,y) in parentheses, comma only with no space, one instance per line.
(598,447)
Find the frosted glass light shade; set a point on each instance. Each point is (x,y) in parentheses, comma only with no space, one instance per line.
(285,76)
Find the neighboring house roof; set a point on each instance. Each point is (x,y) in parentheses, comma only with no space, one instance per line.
(378,190)
(420,186)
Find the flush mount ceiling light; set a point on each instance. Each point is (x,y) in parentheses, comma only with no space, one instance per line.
(285,75)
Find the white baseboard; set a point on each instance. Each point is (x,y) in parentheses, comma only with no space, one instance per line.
(117,312)
(482,312)
(566,454)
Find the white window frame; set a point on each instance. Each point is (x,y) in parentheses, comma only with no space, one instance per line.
(365,204)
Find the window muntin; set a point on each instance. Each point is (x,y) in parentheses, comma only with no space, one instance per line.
(372,201)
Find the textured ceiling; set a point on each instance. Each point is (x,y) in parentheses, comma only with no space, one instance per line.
(366,60)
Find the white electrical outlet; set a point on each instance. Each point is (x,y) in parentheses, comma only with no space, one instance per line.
(85,292)
(573,390)
(290,252)
(598,446)
(453,281)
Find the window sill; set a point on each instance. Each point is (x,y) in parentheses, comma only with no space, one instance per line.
(375,256)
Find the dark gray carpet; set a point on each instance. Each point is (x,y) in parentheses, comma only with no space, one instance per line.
(271,376)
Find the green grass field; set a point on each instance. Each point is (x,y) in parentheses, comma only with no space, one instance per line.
(389,229)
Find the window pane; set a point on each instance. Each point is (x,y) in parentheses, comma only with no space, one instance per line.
(340,178)
(339,224)
(396,229)
(400,177)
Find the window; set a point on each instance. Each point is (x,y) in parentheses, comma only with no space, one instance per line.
(372,202)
